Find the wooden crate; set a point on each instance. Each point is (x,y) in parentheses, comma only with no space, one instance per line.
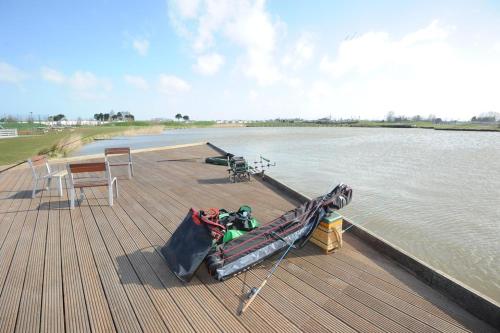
(328,234)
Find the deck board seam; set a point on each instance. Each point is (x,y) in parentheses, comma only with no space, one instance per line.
(432,316)
(109,255)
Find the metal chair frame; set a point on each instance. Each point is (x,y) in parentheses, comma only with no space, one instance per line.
(37,161)
(120,151)
(82,182)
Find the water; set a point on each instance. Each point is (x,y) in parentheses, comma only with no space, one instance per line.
(435,194)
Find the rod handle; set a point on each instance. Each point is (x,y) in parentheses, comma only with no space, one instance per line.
(250,300)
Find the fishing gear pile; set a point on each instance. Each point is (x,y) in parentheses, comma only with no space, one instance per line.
(201,231)
(234,242)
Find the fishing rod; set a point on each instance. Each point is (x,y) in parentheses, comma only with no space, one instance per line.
(355,224)
(254,291)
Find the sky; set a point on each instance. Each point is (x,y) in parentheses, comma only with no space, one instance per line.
(244,59)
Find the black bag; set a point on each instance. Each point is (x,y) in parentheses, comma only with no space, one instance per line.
(187,247)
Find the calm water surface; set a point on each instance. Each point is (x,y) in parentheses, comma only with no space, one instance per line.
(435,194)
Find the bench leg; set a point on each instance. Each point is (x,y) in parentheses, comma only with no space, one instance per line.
(110,195)
(60,187)
(49,182)
(33,193)
(72,198)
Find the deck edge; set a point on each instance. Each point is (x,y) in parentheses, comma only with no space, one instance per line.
(471,300)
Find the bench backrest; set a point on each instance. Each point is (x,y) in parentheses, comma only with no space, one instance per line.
(36,161)
(116,151)
(75,168)
(87,167)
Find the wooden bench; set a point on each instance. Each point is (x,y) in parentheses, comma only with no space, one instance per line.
(91,181)
(41,160)
(120,151)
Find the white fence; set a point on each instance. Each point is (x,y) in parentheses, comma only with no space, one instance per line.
(8,133)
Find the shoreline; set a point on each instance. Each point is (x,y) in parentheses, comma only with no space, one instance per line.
(364,124)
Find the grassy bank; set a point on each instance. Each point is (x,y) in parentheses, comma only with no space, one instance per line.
(60,143)
(191,124)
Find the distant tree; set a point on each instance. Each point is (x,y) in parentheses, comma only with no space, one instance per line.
(487,117)
(97,116)
(431,117)
(119,116)
(105,117)
(58,117)
(416,118)
(178,116)
(390,116)
(186,117)
(8,119)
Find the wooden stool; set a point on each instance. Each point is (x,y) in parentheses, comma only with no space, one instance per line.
(328,234)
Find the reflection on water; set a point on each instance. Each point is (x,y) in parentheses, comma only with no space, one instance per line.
(435,194)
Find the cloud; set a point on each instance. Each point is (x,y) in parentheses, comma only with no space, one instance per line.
(137,81)
(301,54)
(209,64)
(52,75)
(253,95)
(420,73)
(374,50)
(186,8)
(81,84)
(87,85)
(170,84)
(244,23)
(11,74)
(141,45)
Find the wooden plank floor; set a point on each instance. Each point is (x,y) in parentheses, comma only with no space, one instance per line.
(99,268)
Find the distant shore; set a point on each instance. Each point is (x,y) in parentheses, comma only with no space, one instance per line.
(465,126)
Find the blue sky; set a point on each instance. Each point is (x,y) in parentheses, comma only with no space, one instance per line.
(250,59)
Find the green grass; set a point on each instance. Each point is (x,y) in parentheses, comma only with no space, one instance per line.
(285,124)
(16,149)
(131,123)
(191,124)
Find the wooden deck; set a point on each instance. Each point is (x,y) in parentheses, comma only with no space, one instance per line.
(99,268)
